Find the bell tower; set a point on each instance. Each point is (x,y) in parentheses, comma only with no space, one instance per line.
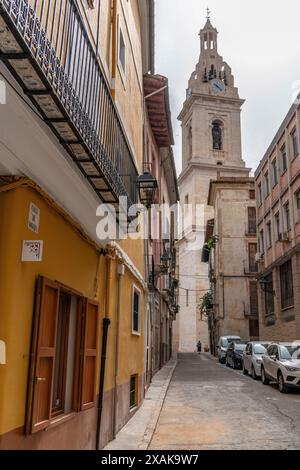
(211,148)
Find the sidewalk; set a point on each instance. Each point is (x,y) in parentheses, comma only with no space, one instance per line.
(138,432)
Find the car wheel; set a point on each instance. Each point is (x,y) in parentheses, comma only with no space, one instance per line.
(245,372)
(281,384)
(264,379)
(253,373)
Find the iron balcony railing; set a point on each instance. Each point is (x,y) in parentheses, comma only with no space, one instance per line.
(46,46)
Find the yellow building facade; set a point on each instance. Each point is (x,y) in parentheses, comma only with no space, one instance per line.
(72,307)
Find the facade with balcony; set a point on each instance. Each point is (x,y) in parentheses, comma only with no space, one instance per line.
(72,137)
(160,248)
(278,209)
(230,247)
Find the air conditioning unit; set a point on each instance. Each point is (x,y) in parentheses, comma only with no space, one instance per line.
(258,257)
(284,237)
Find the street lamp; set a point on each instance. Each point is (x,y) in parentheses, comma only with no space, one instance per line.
(147,186)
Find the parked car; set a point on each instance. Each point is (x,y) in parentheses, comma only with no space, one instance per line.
(234,355)
(281,364)
(223,344)
(252,358)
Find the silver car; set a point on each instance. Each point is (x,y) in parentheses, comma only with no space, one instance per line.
(252,358)
(222,347)
(281,364)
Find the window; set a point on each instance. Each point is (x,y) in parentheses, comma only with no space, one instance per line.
(287,217)
(217,135)
(187,298)
(136,310)
(252,250)
(286,285)
(277,226)
(253,299)
(283,158)
(260,198)
(64,354)
(269,295)
(269,230)
(252,194)
(262,242)
(294,140)
(267,185)
(133,398)
(252,220)
(298,205)
(122,51)
(275,174)
(253,328)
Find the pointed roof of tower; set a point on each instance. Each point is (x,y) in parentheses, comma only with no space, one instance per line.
(208,27)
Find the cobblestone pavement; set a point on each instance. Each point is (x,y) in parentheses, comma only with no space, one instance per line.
(209,406)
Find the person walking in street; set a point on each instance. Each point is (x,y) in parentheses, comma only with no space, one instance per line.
(199,346)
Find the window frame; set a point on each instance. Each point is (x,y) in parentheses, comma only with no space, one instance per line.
(274,172)
(294,142)
(286,286)
(136,290)
(133,406)
(40,389)
(284,158)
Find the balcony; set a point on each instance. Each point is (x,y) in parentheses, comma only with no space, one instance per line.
(45,46)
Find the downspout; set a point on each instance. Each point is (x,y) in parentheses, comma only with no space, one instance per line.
(114,48)
(121,272)
(106,324)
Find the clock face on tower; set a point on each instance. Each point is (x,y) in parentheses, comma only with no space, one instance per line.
(217,86)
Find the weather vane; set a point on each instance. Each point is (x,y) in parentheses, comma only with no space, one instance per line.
(208,13)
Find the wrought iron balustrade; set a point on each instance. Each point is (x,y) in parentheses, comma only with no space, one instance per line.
(46,46)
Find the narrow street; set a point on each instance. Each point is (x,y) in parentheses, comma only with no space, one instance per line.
(209,406)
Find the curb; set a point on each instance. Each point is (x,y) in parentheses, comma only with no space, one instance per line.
(151,427)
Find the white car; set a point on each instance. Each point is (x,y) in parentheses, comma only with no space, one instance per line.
(281,364)
(223,344)
(252,358)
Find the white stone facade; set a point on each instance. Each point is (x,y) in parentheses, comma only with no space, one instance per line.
(211,148)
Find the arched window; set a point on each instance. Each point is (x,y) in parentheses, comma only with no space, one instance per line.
(217,135)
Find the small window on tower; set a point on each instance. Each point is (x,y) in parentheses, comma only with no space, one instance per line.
(217,135)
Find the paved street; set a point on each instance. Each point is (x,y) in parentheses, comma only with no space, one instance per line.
(211,407)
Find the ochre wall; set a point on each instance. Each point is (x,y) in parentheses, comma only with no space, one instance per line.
(73,261)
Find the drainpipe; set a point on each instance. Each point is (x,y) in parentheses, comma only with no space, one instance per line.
(121,272)
(106,324)
(114,48)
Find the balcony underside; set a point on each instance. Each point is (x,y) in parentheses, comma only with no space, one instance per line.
(30,57)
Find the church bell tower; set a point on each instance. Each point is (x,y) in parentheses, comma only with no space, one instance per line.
(211,148)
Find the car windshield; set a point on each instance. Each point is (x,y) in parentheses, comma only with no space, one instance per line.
(260,349)
(290,352)
(240,347)
(226,341)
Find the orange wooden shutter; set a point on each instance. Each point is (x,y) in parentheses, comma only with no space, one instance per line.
(43,356)
(90,346)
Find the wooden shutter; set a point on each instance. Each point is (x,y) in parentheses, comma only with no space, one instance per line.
(89,353)
(42,356)
(253,298)
(252,220)
(252,249)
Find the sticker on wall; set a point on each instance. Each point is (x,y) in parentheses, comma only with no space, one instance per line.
(34,218)
(32,251)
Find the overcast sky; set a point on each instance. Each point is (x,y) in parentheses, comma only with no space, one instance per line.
(260,40)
